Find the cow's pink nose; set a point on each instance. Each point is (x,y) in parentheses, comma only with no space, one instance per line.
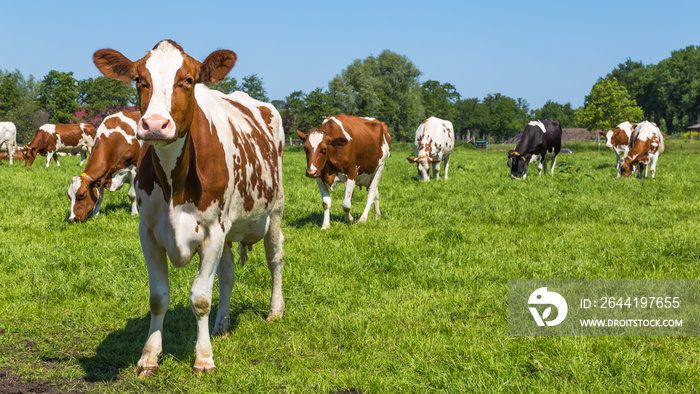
(155,124)
(608,146)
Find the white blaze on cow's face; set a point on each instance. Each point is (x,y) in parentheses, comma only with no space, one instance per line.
(316,153)
(608,139)
(166,87)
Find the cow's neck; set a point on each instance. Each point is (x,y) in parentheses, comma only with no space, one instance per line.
(175,160)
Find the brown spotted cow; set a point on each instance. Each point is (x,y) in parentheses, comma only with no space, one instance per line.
(112,163)
(435,139)
(211,178)
(53,138)
(619,140)
(351,150)
(646,145)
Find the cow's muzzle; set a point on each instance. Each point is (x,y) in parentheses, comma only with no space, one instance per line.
(312,174)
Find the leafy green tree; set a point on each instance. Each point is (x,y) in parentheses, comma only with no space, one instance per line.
(103,92)
(679,86)
(471,117)
(10,91)
(253,85)
(439,99)
(385,87)
(292,112)
(643,85)
(58,95)
(318,105)
(507,116)
(18,103)
(227,85)
(555,111)
(607,105)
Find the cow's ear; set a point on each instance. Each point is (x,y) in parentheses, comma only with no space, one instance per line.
(412,159)
(338,142)
(302,135)
(33,150)
(114,65)
(217,65)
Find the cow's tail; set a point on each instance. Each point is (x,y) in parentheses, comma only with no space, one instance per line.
(662,146)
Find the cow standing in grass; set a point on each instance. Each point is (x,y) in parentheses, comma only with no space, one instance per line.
(350,150)
(541,141)
(53,138)
(112,163)
(646,145)
(435,139)
(619,140)
(211,178)
(8,138)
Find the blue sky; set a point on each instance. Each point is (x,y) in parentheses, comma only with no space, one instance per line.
(535,50)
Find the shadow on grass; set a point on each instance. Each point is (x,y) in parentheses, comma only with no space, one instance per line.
(124,206)
(315,219)
(122,348)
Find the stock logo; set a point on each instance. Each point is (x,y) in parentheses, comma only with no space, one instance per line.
(543,297)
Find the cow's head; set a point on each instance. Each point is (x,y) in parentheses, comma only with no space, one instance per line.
(319,147)
(517,164)
(165,80)
(423,164)
(84,195)
(627,168)
(28,154)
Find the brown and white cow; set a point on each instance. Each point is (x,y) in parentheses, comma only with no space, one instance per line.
(53,138)
(212,177)
(619,139)
(646,145)
(8,138)
(435,139)
(351,150)
(112,163)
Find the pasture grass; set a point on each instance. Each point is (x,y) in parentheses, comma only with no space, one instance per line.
(414,302)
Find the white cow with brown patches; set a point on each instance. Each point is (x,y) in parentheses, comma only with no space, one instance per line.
(618,140)
(211,178)
(8,138)
(646,145)
(435,139)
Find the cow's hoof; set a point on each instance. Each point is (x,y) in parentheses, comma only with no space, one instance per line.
(325,227)
(146,372)
(362,219)
(206,368)
(222,329)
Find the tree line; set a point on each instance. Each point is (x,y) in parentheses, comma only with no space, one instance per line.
(387,87)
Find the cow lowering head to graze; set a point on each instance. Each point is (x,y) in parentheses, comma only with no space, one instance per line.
(351,150)
(212,177)
(540,142)
(53,138)
(8,138)
(112,163)
(435,139)
(618,140)
(646,145)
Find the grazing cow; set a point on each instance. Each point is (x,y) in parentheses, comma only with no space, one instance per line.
(111,164)
(541,141)
(53,138)
(618,140)
(646,144)
(435,139)
(212,177)
(351,150)
(8,137)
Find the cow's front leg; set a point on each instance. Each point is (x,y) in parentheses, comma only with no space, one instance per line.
(326,198)
(49,155)
(11,153)
(436,170)
(159,299)
(347,201)
(83,156)
(200,299)
(227,277)
(554,163)
(541,165)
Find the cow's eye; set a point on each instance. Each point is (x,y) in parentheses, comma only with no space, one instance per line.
(189,81)
(323,151)
(137,80)
(81,196)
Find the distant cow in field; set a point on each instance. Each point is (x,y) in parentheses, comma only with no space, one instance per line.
(618,140)
(8,138)
(211,178)
(351,150)
(112,163)
(540,142)
(646,145)
(53,138)
(435,139)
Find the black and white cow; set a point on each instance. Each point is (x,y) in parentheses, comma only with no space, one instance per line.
(541,141)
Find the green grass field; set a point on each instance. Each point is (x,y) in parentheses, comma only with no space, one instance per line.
(415,302)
